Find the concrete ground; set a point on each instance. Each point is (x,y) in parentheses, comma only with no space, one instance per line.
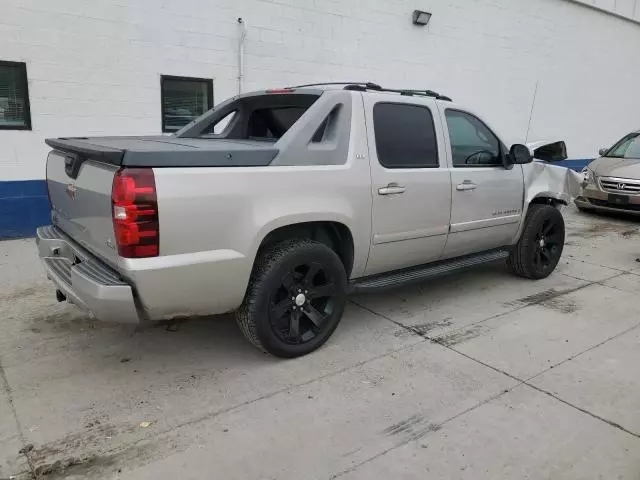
(478,376)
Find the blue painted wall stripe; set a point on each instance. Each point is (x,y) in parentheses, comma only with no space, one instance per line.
(24,205)
(576,165)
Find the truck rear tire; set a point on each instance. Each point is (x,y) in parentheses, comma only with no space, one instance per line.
(538,251)
(295,298)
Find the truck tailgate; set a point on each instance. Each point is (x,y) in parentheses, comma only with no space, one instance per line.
(80,194)
(80,173)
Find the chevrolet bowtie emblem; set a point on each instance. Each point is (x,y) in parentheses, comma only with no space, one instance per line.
(71,191)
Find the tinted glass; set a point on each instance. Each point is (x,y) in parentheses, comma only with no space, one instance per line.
(405,136)
(472,143)
(183,100)
(257,117)
(628,147)
(273,122)
(14,102)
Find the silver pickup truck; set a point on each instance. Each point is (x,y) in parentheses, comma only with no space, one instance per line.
(277,204)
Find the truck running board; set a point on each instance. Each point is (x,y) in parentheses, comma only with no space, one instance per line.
(425,272)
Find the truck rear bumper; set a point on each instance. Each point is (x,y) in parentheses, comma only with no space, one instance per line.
(84,280)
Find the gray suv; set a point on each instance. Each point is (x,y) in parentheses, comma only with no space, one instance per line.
(277,204)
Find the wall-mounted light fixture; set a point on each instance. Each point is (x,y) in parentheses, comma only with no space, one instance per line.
(421,18)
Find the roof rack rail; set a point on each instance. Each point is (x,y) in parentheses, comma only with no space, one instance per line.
(364,86)
(430,93)
(411,92)
(368,85)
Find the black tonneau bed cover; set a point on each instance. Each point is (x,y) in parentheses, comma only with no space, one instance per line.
(166,151)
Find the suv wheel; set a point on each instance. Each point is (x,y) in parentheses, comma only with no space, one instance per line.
(538,251)
(295,299)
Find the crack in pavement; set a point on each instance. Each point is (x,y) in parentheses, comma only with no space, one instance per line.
(411,439)
(211,415)
(552,395)
(6,388)
(519,381)
(422,334)
(584,410)
(434,339)
(599,282)
(572,357)
(572,257)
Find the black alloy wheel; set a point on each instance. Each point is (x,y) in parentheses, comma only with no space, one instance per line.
(302,304)
(539,249)
(549,243)
(295,298)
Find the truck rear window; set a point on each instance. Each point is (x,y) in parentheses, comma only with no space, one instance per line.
(256,117)
(272,123)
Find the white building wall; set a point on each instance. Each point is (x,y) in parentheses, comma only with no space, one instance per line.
(94,67)
(625,8)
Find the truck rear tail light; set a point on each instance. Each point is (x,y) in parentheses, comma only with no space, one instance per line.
(135,213)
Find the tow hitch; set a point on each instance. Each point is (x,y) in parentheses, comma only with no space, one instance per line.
(61,297)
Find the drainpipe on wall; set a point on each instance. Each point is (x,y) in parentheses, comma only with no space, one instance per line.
(243,36)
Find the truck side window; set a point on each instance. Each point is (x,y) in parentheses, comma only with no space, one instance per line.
(472,143)
(405,136)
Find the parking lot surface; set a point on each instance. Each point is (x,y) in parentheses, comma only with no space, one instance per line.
(475,376)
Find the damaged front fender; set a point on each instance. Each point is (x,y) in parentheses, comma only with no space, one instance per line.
(543,181)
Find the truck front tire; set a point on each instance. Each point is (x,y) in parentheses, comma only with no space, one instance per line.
(295,298)
(538,251)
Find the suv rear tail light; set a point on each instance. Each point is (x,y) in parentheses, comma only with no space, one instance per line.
(135,213)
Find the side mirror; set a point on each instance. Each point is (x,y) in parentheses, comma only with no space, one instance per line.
(520,154)
(603,151)
(551,152)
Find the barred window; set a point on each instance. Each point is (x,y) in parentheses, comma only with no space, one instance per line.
(14,97)
(184,99)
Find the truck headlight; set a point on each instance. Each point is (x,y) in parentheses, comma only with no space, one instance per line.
(589,177)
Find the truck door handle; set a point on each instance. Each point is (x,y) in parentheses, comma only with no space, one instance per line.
(391,189)
(466,185)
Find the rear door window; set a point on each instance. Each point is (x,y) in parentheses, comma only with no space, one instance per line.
(405,136)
